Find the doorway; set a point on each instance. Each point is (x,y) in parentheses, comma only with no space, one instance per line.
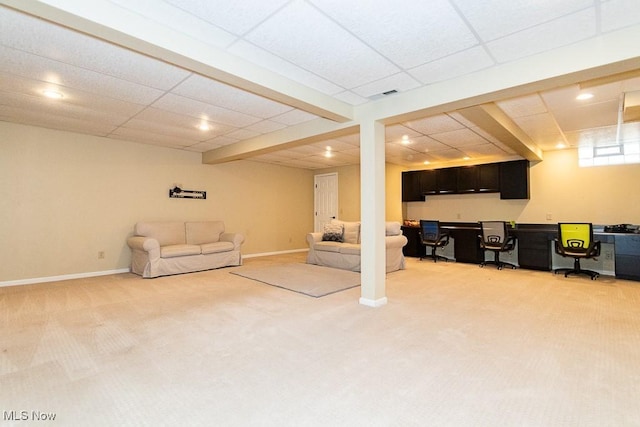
(325,199)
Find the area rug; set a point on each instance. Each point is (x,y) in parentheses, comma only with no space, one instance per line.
(312,280)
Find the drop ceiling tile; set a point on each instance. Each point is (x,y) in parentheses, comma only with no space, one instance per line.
(294,117)
(189,135)
(222,140)
(394,133)
(588,116)
(499,18)
(412,34)
(146,137)
(560,32)
(34,89)
(263,58)
(202,147)
(155,115)
(59,108)
(617,14)
(180,20)
(225,96)
(350,98)
(482,150)
(47,40)
(305,164)
(434,124)
(523,106)
(542,129)
(401,82)
(335,144)
(459,138)
(327,49)
(51,120)
(265,126)
(445,155)
(425,144)
(242,134)
(353,139)
(181,105)
(25,65)
(235,17)
(455,65)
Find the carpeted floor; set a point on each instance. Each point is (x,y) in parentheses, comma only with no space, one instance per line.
(456,345)
(308,279)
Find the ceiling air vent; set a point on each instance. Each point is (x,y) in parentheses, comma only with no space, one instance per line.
(383,94)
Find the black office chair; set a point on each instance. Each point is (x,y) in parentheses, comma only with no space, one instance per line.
(575,240)
(434,237)
(495,238)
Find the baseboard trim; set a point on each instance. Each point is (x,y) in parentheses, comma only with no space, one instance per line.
(62,277)
(292,251)
(373,303)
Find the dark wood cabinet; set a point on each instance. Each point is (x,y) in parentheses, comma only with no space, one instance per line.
(428,181)
(627,249)
(511,179)
(412,186)
(414,246)
(489,178)
(514,180)
(447,180)
(534,247)
(467,179)
(467,244)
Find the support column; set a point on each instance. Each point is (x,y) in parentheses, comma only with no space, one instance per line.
(372,214)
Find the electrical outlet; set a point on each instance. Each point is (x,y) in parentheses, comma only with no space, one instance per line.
(101,255)
(608,255)
(549,217)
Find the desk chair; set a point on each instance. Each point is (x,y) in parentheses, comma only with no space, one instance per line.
(434,237)
(495,238)
(576,241)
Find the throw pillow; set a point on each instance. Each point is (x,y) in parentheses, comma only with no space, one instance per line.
(333,233)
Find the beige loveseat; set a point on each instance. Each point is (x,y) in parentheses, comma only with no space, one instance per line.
(164,248)
(346,255)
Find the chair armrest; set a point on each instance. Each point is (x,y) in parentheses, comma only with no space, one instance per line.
(236,238)
(595,249)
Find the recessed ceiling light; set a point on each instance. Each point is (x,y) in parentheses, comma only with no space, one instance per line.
(405,139)
(584,96)
(426,162)
(466,158)
(328,153)
(561,145)
(53,94)
(204,126)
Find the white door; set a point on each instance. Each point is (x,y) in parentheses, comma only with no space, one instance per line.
(325,199)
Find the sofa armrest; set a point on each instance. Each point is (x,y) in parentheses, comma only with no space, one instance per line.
(312,238)
(395,241)
(236,238)
(145,244)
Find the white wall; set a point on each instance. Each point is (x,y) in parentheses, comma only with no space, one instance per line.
(65,196)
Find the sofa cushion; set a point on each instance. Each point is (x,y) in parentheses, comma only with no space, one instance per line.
(165,232)
(327,246)
(349,249)
(217,247)
(204,232)
(172,251)
(351,230)
(333,233)
(392,228)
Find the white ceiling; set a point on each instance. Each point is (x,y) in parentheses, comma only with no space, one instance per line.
(343,53)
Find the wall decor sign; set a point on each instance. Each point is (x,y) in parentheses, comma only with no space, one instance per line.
(179,193)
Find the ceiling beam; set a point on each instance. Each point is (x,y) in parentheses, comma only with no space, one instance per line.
(107,21)
(494,121)
(294,136)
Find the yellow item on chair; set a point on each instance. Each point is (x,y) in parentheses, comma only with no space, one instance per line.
(575,240)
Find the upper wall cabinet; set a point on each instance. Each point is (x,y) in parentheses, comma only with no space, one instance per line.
(514,180)
(510,179)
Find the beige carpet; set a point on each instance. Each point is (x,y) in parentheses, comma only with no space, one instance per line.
(457,345)
(308,279)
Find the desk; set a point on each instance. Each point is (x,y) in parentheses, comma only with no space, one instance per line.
(534,246)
